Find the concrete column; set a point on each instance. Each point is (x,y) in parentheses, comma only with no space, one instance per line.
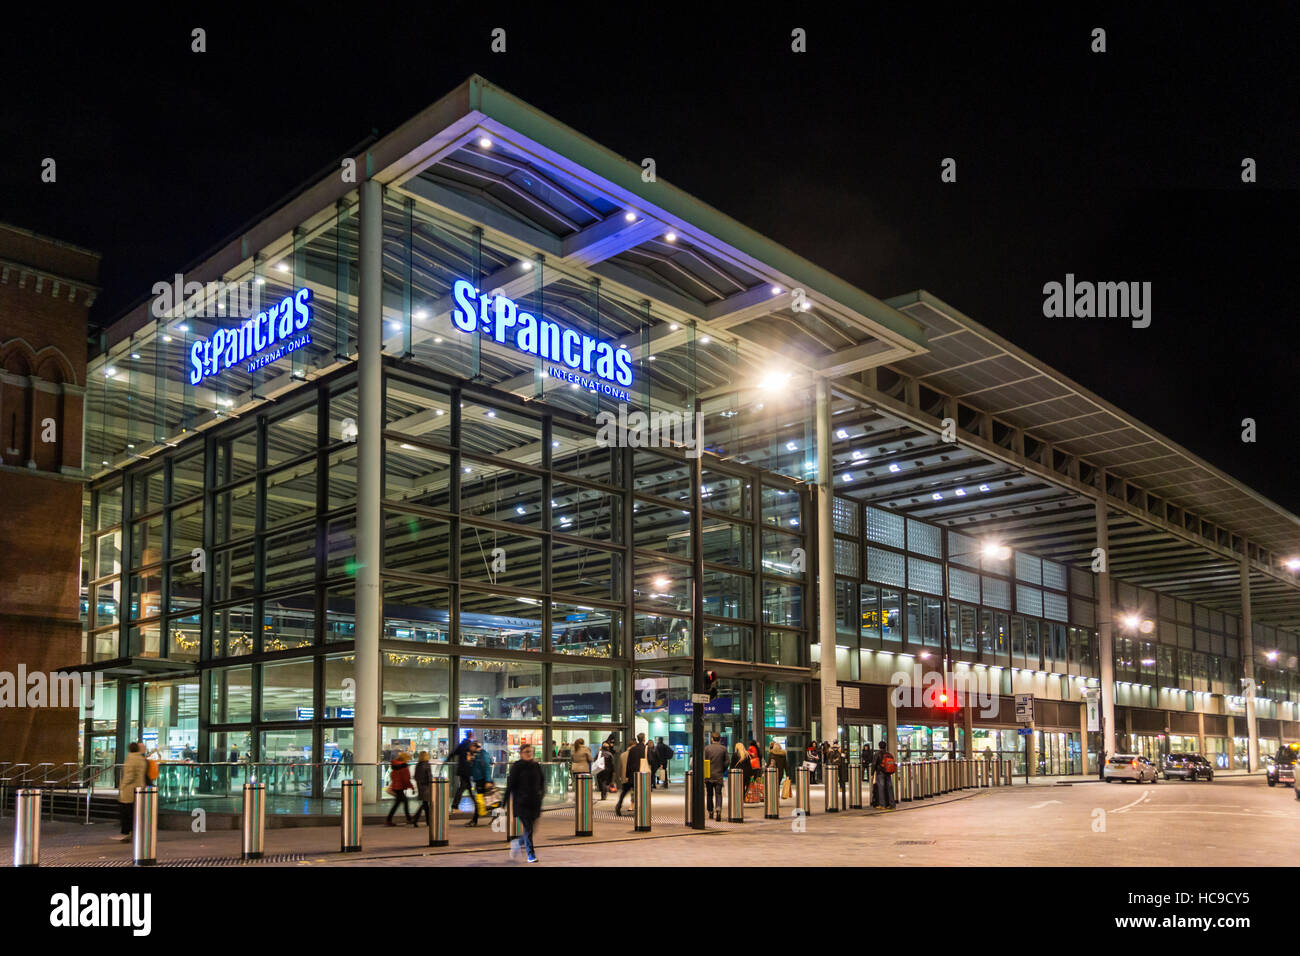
(1083,737)
(370,449)
(826,564)
(1248,663)
(1105,629)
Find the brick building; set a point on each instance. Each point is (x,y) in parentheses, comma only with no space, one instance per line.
(46,289)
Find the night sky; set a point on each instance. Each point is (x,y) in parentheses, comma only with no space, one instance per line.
(1122,166)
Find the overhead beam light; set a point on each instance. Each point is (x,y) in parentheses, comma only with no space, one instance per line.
(1292,564)
(995,550)
(895,467)
(485,142)
(842,434)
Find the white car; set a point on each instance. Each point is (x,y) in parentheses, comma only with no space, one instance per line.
(1133,767)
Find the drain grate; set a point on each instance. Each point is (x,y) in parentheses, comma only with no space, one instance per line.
(913,843)
(195,861)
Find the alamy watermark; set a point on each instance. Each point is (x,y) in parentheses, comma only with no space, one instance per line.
(209,300)
(653,430)
(55,689)
(918,688)
(1098,300)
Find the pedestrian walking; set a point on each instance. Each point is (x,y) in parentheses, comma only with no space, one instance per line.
(740,758)
(133,775)
(462,756)
(652,760)
(399,781)
(604,768)
(665,755)
(480,774)
(525,786)
(884,767)
(835,758)
(715,776)
(634,760)
(423,788)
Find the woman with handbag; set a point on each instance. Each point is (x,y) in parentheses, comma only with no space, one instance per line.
(423,787)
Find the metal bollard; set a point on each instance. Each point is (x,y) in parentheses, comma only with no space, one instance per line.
(642,790)
(947,776)
(771,793)
(900,783)
(514,829)
(855,785)
(27,829)
(832,789)
(583,814)
(145,835)
(690,802)
(802,781)
(254,820)
(438,811)
(1006,772)
(736,795)
(350,816)
(927,767)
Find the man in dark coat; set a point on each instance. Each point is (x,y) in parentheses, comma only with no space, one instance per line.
(461,756)
(525,786)
(636,757)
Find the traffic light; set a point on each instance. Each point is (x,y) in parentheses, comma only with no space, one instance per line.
(711,684)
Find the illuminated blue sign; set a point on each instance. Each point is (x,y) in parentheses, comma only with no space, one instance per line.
(261,340)
(582,359)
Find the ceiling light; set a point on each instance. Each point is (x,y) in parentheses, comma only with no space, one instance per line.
(650,359)
(662,583)
(485,142)
(995,551)
(110,372)
(135,355)
(1293,564)
(791,446)
(848,476)
(419,314)
(282,266)
(895,467)
(984,487)
(167,338)
(629,216)
(671,237)
(261,281)
(468,469)
(438,412)
(842,434)
(528,267)
(182,327)
(673,327)
(705,340)
(490,413)
(519,510)
(857,454)
(960,492)
(776,290)
(936,497)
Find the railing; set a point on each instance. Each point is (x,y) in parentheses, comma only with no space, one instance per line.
(292,786)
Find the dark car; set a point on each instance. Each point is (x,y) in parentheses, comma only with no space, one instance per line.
(1187,767)
(1281,768)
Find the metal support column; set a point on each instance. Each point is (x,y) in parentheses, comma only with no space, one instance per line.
(1105,626)
(1248,664)
(370,450)
(829,704)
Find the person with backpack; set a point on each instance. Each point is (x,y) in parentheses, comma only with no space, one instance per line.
(480,772)
(665,753)
(399,781)
(884,766)
(603,768)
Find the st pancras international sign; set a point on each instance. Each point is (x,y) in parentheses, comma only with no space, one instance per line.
(258,341)
(580,359)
